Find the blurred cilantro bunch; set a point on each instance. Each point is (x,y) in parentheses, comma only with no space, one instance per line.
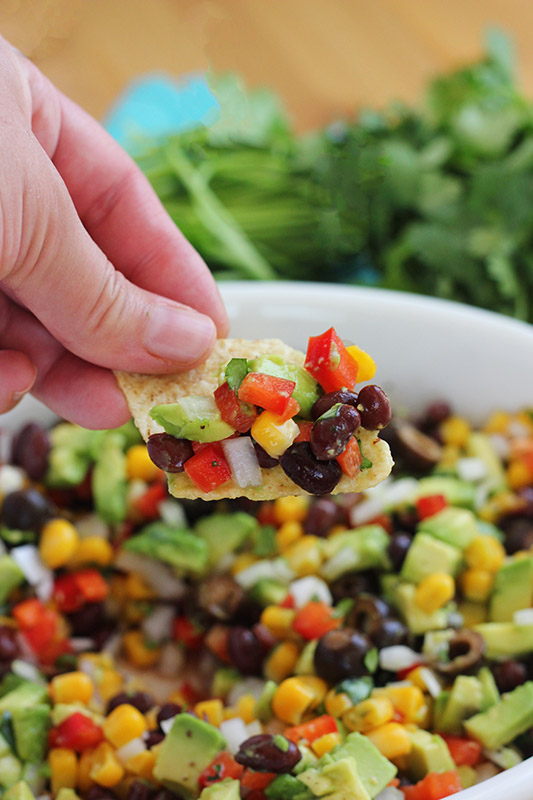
(436,199)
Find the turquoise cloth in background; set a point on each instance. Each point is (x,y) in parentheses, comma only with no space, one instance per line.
(157,105)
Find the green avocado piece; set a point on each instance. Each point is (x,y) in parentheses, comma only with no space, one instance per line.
(109,479)
(224,680)
(306,392)
(506,639)
(30,726)
(454,526)
(188,748)
(417,620)
(513,589)
(467,775)
(363,548)
(263,706)
(489,690)
(27,694)
(464,700)
(11,576)
(195,417)
(374,770)
(429,753)
(71,453)
(9,682)
(268,591)
(225,533)
(338,780)
(10,770)
(21,791)
(457,492)
(228,789)
(480,446)
(287,787)
(61,711)
(505,720)
(178,547)
(428,555)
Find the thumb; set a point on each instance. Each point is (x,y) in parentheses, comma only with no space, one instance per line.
(63,277)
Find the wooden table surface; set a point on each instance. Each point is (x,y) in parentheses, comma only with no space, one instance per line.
(325,57)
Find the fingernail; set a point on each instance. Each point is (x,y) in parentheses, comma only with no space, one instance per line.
(178,335)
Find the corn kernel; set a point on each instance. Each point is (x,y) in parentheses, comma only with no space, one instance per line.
(281,661)
(290,509)
(85,766)
(139,465)
(58,543)
(473,613)
(498,422)
(106,769)
(324,744)
(485,552)
(211,711)
(366,366)
(292,699)
(369,714)
(476,584)
(287,534)
(318,686)
(337,703)
(406,700)
(501,503)
(72,687)
(392,740)
(455,430)
(278,620)
(434,592)
(449,455)
(109,683)
(518,474)
(142,765)
(337,529)
(136,588)
(92,550)
(305,556)
(246,708)
(124,724)
(274,436)
(63,768)
(137,652)
(242,561)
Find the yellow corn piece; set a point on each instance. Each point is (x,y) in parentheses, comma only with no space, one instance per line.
(337,703)
(473,613)
(139,465)
(281,661)
(407,700)
(518,474)
(245,708)
(501,503)
(137,652)
(455,430)
(110,683)
(72,687)
(151,719)
(317,686)
(242,561)
(290,509)
(365,363)
(476,584)
(324,744)
(142,765)
(211,711)
(392,740)
(434,592)
(92,550)
(124,724)
(449,455)
(63,769)
(337,529)
(305,556)
(136,588)
(106,769)
(485,552)
(58,543)
(498,422)
(85,766)
(292,699)
(419,676)
(273,435)
(369,714)
(278,620)
(287,534)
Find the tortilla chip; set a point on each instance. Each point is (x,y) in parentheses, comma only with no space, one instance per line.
(145,391)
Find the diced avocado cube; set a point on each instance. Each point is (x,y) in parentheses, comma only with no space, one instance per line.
(109,479)
(428,555)
(225,533)
(429,753)
(306,392)
(417,620)
(467,775)
(30,726)
(454,526)
(338,780)
(363,548)
(480,446)
(224,680)
(374,770)
(27,694)
(287,787)
(263,707)
(195,417)
(179,548)
(513,589)
(489,690)
(21,791)
(268,592)
(438,708)
(61,711)
(505,720)
(228,789)
(464,700)
(506,639)
(10,770)
(11,576)
(305,663)
(188,748)
(456,492)
(9,682)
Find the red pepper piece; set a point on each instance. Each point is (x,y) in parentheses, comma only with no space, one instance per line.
(314,620)
(148,503)
(222,766)
(254,781)
(463,751)
(216,641)
(272,394)
(434,786)
(312,730)
(189,634)
(330,363)
(29,613)
(67,594)
(76,732)
(208,468)
(239,415)
(430,505)
(305,431)
(351,459)
(288,602)
(292,409)
(91,585)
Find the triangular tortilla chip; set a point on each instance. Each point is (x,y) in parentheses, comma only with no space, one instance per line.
(145,391)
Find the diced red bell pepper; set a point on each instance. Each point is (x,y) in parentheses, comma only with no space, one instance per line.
(208,468)
(330,363)
(222,766)
(77,732)
(385,520)
(292,409)
(188,633)
(257,781)
(351,459)
(148,503)
(272,394)
(435,786)
(67,594)
(314,620)
(305,431)
(29,613)
(91,585)
(216,640)
(465,752)
(430,505)
(239,415)
(288,602)
(312,730)
(266,515)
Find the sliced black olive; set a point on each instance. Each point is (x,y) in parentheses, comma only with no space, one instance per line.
(465,653)
(419,451)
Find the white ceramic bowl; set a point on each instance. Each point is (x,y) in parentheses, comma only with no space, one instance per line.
(426,349)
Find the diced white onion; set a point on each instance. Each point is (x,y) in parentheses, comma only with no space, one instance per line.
(164,583)
(277,569)
(172,513)
(367,509)
(481,495)
(30,562)
(500,444)
(113,645)
(345,560)
(305,589)
(172,660)
(157,626)
(45,588)
(136,489)
(234,732)
(130,750)
(254,728)
(25,650)
(398,492)
(486,770)
(253,686)
(505,757)
(390,793)
(92,525)
(27,671)
(524,616)
(471,469)
(455,619)
(167,724)
(33,776)
(87,666)
(11,479)
(81,644)
(397,657)
(242,458)
(431,681)
(518,429)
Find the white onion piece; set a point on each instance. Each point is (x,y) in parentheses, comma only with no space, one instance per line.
(277,569)
(397,657)
(164,583)
(167,724)
(367,509)
(27,671)
(241,456)
(11,479)
(390,793)
(113,645)
(253,686)
(524,616)
(431,681)
(343,561)
(130,750)
(172,660)
(486,770)
(234,732)
(504,757)
(81,644)
(471,469)
(45,588)
(305,589)
(92,525)
(254,728)
(395,493)
(157,626)
(172,513)
(87,666)
(30,562)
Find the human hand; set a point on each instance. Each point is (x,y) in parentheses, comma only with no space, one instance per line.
(94,275)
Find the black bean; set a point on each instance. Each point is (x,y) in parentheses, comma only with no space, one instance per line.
(87,620)
(143,701)
(330,399)
(306,471)
(518,533)
(169,453)
(153,737)
(374,407)
(9,648)
(166,794)
(265,461)
(434,414)
(167,711)
(526,494)
(352,584)
(322,515)
(220,595)
(389,632)
(245,650)
(30,450)
(367,613)
(524,742)
(399,544)
(341,654)
(26,510)
(509,674)
(264,636)
(140,790)
(268,753)
(99,793)
(333,430)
